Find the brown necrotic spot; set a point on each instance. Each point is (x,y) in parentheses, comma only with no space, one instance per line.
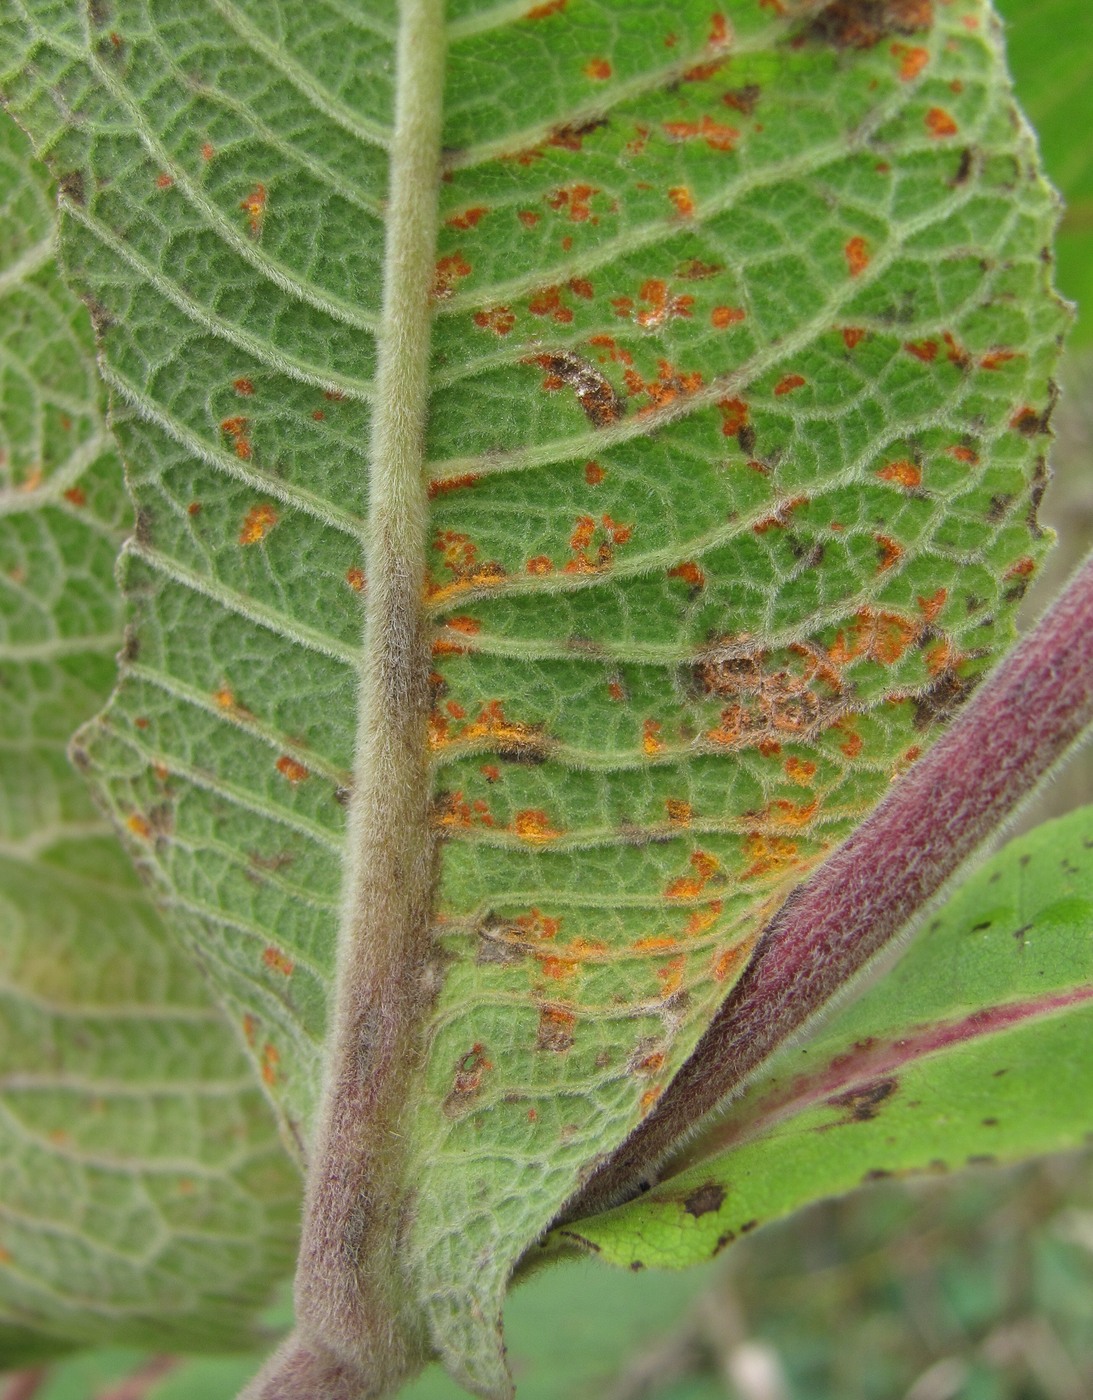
(705,1199)
(555,1032)
(595,394)
(941,699)
(860,24)
(470,1069)
(863,1104)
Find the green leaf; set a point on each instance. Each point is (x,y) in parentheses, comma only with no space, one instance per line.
(146,1197)
(977,1048)
(1054,79)
(733,414)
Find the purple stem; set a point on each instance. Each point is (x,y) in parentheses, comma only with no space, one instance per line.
(1019,724)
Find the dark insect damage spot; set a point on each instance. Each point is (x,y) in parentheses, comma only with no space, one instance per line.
(940,701)
(595,394)
(862,1105)
(722,1242)
(860,24)
(964,169)
(569,138)
(71,187)
(636,1266)
(705,1199)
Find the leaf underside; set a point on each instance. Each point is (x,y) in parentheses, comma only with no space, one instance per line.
(741,374)
(975,1049)
(146,1196)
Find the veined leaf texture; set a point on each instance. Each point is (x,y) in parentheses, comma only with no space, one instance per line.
(733,371)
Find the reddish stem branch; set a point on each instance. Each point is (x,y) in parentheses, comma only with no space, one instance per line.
(1018,726)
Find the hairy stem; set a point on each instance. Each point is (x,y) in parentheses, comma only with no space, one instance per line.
(1019,725)
(355,1328)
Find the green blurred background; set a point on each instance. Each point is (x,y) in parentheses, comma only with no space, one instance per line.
(979,1288)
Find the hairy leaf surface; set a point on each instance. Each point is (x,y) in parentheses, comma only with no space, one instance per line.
(146,1196)
(975,1049)
(740,372)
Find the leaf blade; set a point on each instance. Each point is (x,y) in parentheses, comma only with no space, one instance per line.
(972,1050)
(138,1154)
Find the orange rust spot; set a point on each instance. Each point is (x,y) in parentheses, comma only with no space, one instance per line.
(615,691)
(940,657)
(702,919)
(793,813)
(940,124)
(788,383)
(931,607)
(555,1032)
(540,564)
(582,287)
(141,722)
(683,200)
(598,69)
(557,969)
(767,853)
(719,31)
(648,1099)
(778,519)
(650,741)
(238,429)
(725,963)
(1026,420)
(257,524)
(548,302)
(290,769)
(879,636)
(705,867)
(852,336)
(276,961)
(271,1057)
(243,386)
(702,71)
(499,319)
(354,577)
(857,256)
(536,925)
(491,772)
(255,205)
(318,415)
(1021,569)
(724,316)
(800,771)
(903,473)
(995,359)
(671,976)
(769,748)
(441,486)
(75,495)
(140,826)
(679,812)
(661,307)
(963,454)
(924,350)
(164,181)
(890,552)
(734,416)
(208,150)
(528,217)
(574,199)
(470,218)
(912,60)
(225,698)
(533,826)
(449,270)
(716,136)
(548,7)
(650,1065)
(250,1025)
(593,473)
(690,573)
